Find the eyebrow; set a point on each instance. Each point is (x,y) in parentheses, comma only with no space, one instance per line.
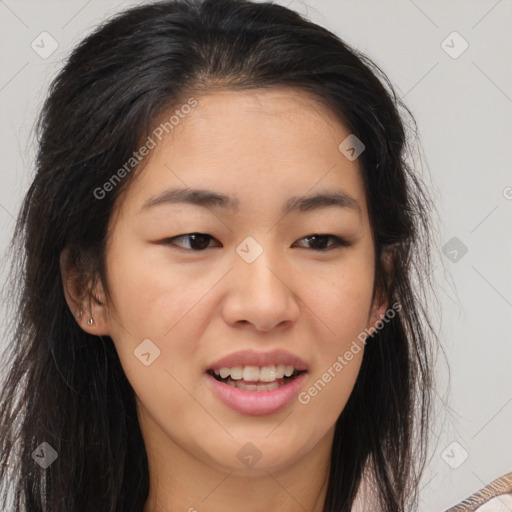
(210,199)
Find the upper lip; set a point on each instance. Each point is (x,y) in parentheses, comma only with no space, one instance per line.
(257,358)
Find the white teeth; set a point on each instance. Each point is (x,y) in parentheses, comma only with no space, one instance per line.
(236,373)
(288,370)
(224,372)
(254,373)
(251,373)
(268,373)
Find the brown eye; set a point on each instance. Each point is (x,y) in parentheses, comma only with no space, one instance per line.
(197,241)
(319,242)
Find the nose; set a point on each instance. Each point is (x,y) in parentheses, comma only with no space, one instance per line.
(261,294)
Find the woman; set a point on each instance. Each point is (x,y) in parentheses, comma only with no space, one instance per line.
(183,339)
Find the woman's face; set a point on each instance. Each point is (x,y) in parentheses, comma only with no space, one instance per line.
(254,283)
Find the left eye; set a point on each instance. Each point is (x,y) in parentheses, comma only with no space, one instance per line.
(200,241)
(319,242)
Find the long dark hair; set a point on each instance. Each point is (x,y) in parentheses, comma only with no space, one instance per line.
(66,387)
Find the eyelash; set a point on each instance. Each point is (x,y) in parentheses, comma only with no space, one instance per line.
(339,242)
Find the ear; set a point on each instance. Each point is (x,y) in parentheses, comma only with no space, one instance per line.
(84,295)
(380,303)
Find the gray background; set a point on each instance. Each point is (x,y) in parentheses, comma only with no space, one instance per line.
(463,107)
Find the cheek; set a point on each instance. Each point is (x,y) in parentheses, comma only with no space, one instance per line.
(150,298)
(342,309)
(153,303)
(162,306)
(342,300)
(339,355)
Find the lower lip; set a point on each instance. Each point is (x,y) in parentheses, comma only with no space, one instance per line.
(257,403)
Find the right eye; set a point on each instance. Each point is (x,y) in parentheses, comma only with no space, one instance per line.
(197,241)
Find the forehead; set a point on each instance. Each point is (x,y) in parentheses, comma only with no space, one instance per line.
(267,143)
(245,120)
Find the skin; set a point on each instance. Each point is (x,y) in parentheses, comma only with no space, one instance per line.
(261,146)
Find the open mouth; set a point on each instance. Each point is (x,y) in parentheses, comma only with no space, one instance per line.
(256,385)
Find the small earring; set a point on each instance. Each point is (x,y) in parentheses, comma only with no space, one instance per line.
(90,321)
